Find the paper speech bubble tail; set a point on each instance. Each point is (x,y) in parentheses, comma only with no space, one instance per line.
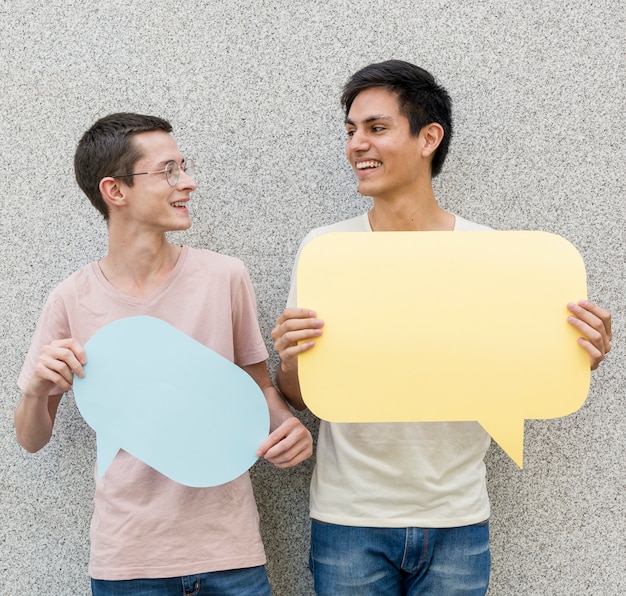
(106,453)
(508,432)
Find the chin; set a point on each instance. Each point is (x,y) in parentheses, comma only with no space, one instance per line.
(365,190)
(181,226)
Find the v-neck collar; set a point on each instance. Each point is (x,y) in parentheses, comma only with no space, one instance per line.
(110,289)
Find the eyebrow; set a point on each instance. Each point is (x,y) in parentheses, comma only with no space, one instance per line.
(370,119)
(166,161)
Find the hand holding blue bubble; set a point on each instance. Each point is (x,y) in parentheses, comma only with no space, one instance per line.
(171,402)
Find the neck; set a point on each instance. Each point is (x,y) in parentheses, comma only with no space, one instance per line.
(138,266)
(418,212)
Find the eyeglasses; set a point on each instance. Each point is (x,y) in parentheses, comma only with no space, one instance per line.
(171,171)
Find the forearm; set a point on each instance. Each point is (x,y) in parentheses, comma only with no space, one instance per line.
(34,420)
(289,385)
(289,441)
(296,331)
(277,406)
(56,366)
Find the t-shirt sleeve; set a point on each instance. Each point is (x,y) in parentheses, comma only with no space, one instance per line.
(292,298)
(52,325)
(249,347)
(355,224)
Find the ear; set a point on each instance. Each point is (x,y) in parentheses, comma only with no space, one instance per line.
(433,135)
(112,191)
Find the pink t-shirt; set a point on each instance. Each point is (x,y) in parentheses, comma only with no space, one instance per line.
(144,524)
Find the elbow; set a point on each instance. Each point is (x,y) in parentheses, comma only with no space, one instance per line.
(28,443)
(31,449)
(26,440)
(296,404)
(29,446)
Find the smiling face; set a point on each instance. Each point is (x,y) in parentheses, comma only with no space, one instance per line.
(388,161)
(151,202)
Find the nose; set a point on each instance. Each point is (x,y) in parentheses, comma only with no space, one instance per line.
(358,141)
(186,181)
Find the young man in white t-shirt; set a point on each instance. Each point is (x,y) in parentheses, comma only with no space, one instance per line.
(149,534)
(400,508)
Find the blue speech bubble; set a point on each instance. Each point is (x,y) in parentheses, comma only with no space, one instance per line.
(171,402)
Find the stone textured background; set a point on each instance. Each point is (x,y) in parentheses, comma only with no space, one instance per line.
(252,90)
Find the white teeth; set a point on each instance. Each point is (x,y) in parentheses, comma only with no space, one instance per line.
(368,164)
(178,204)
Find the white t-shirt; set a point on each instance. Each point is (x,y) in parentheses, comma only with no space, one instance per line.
(397,474)
(144,524)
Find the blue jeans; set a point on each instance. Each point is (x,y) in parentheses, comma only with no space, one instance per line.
(234,582)
(358,561)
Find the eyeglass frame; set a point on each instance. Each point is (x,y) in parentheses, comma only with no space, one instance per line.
(187,164)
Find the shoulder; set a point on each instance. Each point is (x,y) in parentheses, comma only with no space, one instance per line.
(63,305)
(360,223)
(208,258)
(75,283)
(203,262)
(462,225)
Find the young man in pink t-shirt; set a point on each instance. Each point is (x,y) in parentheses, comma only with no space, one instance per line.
(149,534)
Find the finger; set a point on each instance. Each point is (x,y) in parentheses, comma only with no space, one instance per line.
(271,440)
(65,361)
(595,355)
(294,337)
(593,315)
(290,354)
(282,432)
(73,356)
(50,370)
(290,345)
(601,313)
(285,458)
(291,326)
(43,379)
(292,462)
(592,327)
(295,313)
(289,444)
(78,351)
(595,340)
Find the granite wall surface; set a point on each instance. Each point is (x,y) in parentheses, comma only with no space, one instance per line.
(252,90)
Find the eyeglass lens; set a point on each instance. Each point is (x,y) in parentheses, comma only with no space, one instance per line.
(172,171)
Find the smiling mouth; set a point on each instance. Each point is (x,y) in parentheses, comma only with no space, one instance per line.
(179,204)
(366,165)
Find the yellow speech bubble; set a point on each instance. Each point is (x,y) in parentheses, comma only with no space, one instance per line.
(444,326)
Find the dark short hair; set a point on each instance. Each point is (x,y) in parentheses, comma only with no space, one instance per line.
(420,98)
(106,149)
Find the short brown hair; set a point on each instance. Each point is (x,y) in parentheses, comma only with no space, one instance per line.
(106,149)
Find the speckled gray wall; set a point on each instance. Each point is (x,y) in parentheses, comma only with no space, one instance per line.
(252,91)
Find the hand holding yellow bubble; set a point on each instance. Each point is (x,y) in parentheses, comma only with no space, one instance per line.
(444,326)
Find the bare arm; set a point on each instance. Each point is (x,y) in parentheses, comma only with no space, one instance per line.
(289,442)
(295,332)
(594,322)
(36,412)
